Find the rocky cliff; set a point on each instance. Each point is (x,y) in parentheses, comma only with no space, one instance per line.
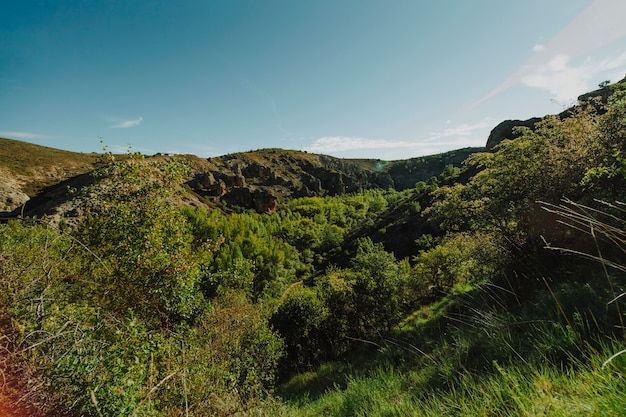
(260,179)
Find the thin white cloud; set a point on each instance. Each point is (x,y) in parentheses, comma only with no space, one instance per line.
(566,81)
(125,124)
(461,136)
(538,48)
(118,149)
(24,135)
(462,130)
(335,144)
(598,25)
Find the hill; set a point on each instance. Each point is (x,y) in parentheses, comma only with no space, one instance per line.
(27,169)
(256,179)
(492,288)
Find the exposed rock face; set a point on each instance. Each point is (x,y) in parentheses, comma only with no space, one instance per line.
(260,179)
(601,95)
(11,198)
(265,201)
(505,130)
(261,199)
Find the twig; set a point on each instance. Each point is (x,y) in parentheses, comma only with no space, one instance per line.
(151,392)
(95,401)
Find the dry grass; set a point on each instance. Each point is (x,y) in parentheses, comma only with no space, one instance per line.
(33,167)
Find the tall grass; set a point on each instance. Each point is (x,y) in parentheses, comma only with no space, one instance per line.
(582,388)
(558,352)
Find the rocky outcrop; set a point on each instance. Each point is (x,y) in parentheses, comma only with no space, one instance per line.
(260,179)
(257,180)
(506,130)
(265,201)
(599,96)
(11,198)
(260,199)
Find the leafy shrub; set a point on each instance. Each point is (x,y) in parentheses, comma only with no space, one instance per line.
(142,243)
(460,260)
(300,319)
(227,363)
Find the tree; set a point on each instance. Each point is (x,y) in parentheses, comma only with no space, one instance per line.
(544,163)
(144,250)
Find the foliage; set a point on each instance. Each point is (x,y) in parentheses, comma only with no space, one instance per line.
(150,309)
(103,320)
(319,322)
(226,364)
(546,163)
(461,260)
(248,257)
(300,319)
(608,177)
(141,242)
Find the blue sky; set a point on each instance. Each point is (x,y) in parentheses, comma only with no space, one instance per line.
(389,79)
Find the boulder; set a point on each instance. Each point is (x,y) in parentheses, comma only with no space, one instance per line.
(11,198)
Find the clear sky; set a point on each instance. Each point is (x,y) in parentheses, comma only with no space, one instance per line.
(389,79)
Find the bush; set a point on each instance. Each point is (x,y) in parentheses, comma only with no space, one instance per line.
(300,319)
(145,257)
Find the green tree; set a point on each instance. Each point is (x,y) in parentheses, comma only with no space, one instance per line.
(607,178)
(544,163)
(300,319)
(144,253)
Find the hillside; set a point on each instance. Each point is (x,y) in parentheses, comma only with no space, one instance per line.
(277,282)
(256,179)
(28,169)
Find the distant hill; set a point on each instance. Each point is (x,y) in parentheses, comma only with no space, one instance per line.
(35,178)
(27,169)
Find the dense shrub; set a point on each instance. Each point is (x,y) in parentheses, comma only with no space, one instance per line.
(142,244)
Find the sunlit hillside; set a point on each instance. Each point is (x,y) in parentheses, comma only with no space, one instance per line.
(283,283)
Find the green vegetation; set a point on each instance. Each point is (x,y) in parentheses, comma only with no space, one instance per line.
(508,303)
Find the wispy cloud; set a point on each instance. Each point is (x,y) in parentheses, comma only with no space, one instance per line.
(121,149)
(566,81)
(338,144)
(463,130)
(538,48)
(598,25)
(24,135)
(125,124)
(461,136)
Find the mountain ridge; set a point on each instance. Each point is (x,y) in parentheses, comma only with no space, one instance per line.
(36,178)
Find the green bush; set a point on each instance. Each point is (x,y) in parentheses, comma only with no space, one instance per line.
(143,246)
(300,319)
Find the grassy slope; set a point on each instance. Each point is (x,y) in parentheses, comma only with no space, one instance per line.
(487,352)
(423,369)
(36,167)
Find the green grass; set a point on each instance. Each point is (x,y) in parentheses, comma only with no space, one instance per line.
(481,354)
(582,388)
